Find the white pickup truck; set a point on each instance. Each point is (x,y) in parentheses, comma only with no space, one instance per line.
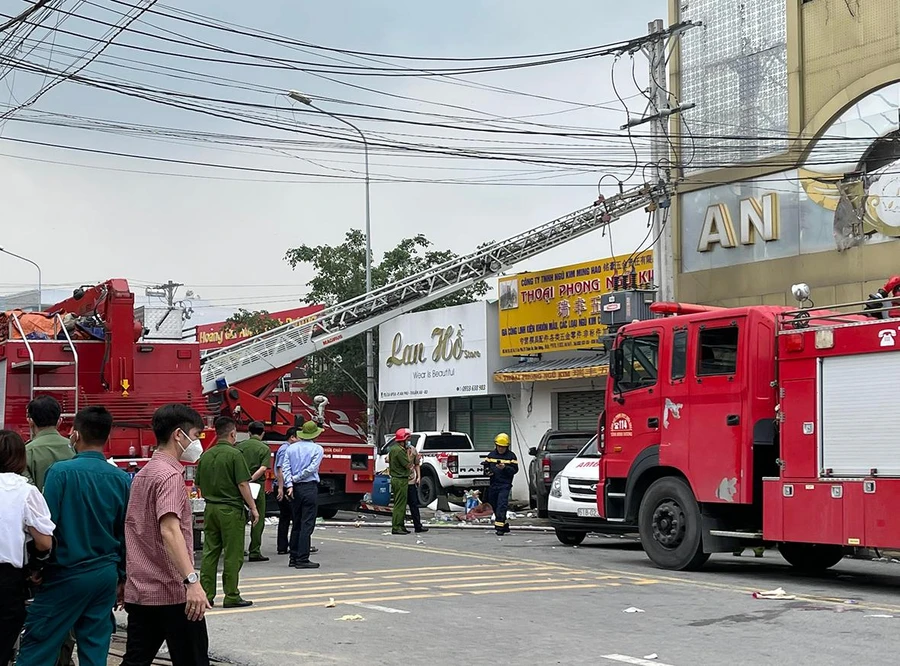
(450,464)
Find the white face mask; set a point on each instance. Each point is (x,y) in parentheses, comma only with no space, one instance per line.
(192,452)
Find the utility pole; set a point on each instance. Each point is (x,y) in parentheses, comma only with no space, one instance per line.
(658,112)
(663,250)
(166,291)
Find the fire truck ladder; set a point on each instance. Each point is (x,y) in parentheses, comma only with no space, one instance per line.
(41,363)
(283,346)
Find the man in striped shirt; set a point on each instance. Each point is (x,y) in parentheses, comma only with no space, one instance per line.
(163,596)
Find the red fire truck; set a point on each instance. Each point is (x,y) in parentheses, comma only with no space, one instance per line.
(753,425)
(91,350)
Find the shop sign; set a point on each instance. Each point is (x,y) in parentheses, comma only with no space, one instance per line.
(559,309)
(434,354)
(215,336)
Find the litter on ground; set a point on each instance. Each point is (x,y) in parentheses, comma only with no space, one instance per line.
(777,593)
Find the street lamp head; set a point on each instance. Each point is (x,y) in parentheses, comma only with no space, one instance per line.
(298,96)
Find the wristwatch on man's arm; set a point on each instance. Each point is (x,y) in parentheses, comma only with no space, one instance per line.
(192,578)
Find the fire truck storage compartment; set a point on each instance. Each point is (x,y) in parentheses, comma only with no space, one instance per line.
(859,417)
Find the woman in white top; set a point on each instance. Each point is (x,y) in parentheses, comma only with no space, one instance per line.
(24,516)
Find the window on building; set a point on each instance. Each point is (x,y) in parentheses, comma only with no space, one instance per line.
(395,415)
(718,351)
(483,418)
(679,354)
(639,367)
(425,414)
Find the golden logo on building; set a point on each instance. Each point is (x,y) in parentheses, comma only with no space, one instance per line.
(758,219)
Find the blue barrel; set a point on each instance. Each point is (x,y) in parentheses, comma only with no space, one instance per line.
(381,490)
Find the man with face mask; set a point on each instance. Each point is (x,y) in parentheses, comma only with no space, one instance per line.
(85,577)
(163,596)
(224,481)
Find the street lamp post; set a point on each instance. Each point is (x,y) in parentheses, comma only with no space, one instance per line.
(26,259)
(370,335)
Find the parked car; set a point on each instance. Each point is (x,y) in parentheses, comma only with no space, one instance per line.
(556,449)
(572,505)
(450,464)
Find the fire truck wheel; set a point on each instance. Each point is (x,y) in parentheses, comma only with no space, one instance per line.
(569,538)
(811,556)
(669,523)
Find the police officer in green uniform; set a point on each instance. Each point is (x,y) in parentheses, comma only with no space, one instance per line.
(258,456)
(399,467)
(85,578)
(47,446)
(224,482)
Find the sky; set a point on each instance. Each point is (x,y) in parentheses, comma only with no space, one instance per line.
(89,216)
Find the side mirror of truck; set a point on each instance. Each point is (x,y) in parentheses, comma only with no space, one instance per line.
(532,451)
(618,363)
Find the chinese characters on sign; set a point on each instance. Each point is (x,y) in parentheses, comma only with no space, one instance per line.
(559,309)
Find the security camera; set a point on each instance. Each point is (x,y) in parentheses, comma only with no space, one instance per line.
(800,291)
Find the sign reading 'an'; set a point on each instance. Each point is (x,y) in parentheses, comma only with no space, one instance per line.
(757,219)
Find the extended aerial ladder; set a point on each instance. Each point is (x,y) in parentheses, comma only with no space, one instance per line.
(271,352)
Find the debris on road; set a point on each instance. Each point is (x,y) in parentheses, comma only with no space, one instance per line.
(632,609)
(330,603)
(351,618)
(651,656)
(777,593)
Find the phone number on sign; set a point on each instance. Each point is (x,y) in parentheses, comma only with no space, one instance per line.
(472,387)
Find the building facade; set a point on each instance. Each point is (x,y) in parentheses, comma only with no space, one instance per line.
(792,150)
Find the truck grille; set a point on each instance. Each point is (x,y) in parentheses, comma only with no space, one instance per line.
(583,491)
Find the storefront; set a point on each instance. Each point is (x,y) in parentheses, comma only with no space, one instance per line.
(555,366)
(439,366)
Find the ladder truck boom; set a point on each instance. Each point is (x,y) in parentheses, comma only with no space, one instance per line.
(282,347)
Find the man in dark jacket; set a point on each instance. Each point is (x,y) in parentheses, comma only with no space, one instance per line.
(501,466)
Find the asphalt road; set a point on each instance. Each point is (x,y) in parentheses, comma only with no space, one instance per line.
(457,596)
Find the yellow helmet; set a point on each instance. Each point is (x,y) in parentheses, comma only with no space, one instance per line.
(502,439)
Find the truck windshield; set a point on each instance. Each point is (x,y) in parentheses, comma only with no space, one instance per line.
(566,443)
(446,442)
(590,449)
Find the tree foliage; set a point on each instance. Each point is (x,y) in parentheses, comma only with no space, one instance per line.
(254,322)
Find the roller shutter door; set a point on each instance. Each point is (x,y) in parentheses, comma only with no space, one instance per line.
(578,410)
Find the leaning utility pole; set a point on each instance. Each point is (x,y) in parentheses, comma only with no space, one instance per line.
(663,248)
(658,112)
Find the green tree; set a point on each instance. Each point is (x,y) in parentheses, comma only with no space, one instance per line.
(254,322)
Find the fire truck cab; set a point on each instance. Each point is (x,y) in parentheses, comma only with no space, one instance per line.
(735,427)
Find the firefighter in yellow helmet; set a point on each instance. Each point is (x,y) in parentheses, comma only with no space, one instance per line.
(501,466)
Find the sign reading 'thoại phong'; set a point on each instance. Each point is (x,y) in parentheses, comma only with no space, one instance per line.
(559,309)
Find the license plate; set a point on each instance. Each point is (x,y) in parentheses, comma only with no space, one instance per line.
(482,482)
(588,513)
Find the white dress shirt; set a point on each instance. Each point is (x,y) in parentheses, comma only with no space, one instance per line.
(21,506)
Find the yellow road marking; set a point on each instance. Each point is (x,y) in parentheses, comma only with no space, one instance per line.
(646,581)
(614,584)
(485,575)
(249,584)
(449,566)
(328,595)
(535,589)
(485,572)
(310,604)
(259,593)
(502,582)
(296,576)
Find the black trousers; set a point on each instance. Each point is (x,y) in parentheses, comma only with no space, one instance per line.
(149,626)
(285,514)
(305,504)
(12,609)
(412,501)
(498,498)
